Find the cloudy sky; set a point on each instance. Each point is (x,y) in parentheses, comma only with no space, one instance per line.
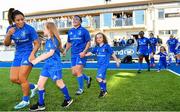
(27,6)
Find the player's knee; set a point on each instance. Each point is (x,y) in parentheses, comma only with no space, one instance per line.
(40,86)
(14,80)
(74,73)
(99,79)
(23,80)
(104,81)
(77,73)
(151,56)
(60,83)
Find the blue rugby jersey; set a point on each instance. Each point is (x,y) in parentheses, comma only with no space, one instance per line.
(23,37)
(103,53)
(172,43)
(55,60)
(78,37)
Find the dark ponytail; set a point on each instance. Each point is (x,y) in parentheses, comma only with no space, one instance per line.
(12,14)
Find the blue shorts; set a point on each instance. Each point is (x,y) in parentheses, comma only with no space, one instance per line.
(144,54)
(178,52)
(50,72)
(152,50)
(21,59)
(76,60)
(101,72)
(172,51)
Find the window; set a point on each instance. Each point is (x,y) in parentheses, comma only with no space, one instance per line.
(139,17)
(107,19)
(174,31)
(5,15)
(161,32)
(168,32)
(161,14)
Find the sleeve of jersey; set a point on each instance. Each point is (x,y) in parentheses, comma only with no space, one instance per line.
(87,36)
(110,50)
(177,41)
(94,50)
(34,34)
(167,42)
(8,29)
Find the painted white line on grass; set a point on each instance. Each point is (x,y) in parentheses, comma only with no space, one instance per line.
(173,72)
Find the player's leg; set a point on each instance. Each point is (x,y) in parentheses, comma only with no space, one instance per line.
(40,105)
(101,76)
(147,61)
(14,75)
(77,70)
(82,61)
(140,63)
(68,100)
(23,76)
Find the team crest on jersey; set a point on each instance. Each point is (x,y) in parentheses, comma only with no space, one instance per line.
(18,38)
(54,77)
(70,33)
(23,34)
(79,32)
(103,50)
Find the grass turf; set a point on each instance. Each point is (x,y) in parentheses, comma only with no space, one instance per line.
(127,91)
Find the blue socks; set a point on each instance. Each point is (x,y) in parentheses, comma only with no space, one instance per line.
(64,90)
(178,61)
(41,97)
(85,77)
(152,60)
(31,86)
(170,61)
(81,82)
(140,66)
(102,86)
(25,98)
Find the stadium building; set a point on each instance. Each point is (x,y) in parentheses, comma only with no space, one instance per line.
(117,21)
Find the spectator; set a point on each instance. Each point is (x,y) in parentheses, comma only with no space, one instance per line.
(130,41)
(159,40)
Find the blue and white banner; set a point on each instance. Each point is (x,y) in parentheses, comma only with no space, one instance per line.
(121,52)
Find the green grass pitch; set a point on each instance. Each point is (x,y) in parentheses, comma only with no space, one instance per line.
(127,91)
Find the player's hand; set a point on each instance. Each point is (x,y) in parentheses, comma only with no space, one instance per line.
(118,63)
(64,53)
(82,54)
(62,50)
(11,31)
(137,53)
(31,57)
(33,62)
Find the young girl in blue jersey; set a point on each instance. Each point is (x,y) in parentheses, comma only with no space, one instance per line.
(52,68)
(162,58)
(26,45)
(152,48)
(103,52)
